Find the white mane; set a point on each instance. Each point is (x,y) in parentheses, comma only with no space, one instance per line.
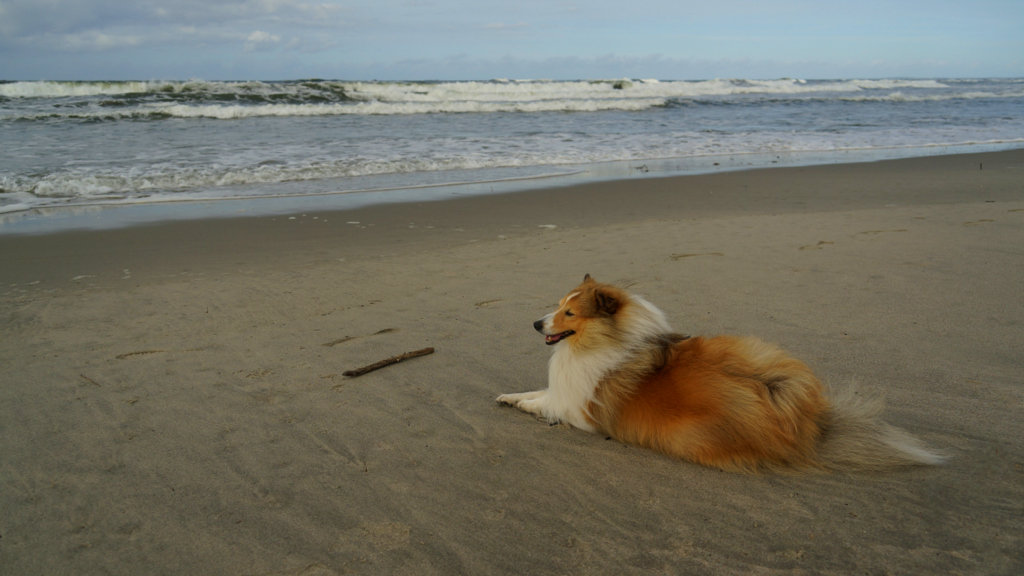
(573,374)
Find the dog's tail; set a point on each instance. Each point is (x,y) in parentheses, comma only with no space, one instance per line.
(855,437)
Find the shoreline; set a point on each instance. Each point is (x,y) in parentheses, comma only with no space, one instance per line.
(101,215)
(179,386)
(434,224)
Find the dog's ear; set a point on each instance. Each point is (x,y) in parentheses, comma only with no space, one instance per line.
(606,301)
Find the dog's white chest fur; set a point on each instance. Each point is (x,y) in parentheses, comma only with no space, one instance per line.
(572,380)
(574,374)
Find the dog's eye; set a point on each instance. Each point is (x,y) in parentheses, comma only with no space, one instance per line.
(569,313)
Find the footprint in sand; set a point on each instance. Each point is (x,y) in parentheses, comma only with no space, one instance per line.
(376,537)
(344,339)
(694,255)
(137,353)
(817,246)
(877,232)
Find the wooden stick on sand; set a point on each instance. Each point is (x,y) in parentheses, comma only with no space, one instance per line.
(387,362)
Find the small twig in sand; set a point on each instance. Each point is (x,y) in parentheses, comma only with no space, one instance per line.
(387,362)
(90,380)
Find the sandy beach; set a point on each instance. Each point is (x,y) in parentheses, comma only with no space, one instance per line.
(173,399)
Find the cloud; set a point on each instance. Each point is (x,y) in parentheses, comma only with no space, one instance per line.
(462,39)
(260,40)
(96,40)
(65,25)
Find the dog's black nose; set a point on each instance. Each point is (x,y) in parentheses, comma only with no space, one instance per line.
(538,325)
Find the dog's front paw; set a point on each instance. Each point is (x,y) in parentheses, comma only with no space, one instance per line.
(532,405)
(507,399)
(526,401)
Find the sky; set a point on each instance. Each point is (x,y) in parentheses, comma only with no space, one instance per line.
(485,39)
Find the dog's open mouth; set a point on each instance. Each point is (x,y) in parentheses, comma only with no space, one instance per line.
(556,338)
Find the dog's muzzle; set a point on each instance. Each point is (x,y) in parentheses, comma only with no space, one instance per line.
(550,339)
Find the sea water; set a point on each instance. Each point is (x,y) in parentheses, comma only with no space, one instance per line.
(69,145)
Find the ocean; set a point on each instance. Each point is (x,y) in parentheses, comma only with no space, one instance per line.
(82,147)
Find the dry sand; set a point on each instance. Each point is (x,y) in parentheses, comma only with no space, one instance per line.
(172,399)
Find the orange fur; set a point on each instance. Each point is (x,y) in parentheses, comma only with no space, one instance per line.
(735,403)
(716,403)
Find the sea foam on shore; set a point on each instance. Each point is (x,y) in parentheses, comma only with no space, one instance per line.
(87,143)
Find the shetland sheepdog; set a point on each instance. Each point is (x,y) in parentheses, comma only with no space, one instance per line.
(733,403)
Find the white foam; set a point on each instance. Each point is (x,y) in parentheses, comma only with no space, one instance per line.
(196,139)
(201,99)
(65,89)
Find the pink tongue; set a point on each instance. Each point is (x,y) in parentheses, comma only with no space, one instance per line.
(556,337)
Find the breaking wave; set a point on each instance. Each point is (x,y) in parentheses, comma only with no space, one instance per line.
(155,100)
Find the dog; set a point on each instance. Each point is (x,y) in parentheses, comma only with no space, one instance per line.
(734,403)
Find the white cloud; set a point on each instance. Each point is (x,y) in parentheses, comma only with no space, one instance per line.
(531,38)
(53,25)
(260,40)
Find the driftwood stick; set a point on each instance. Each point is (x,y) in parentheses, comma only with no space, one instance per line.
(387,362)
